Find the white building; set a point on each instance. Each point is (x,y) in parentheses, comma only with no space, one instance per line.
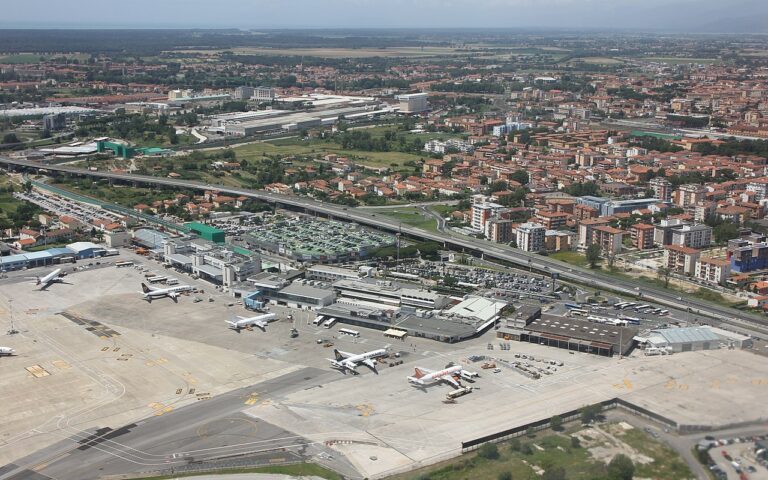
(482,212)
(713,270)
(413,103)
(693,236)
(530,237)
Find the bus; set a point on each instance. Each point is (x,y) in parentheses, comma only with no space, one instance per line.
(631,320)
(157,279)
(318,320)
(642,307)
(330,322)
(572,306)
(578,312)
(172,281)
(350,332)
(628,305)
(619,306)
(123,264)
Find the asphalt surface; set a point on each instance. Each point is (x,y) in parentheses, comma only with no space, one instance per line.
(212,433)
(747,321)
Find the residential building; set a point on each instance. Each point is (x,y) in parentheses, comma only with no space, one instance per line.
(681,260)
(748,254)
(530,237)
(713,270)
(608,238)
(500,230)
(662,188)
(482,212)
(689,195)
(694,236)
(586,227)
(642,236)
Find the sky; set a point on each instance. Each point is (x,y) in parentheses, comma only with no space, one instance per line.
(648,15)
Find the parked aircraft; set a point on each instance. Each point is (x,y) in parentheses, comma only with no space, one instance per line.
(55,276)
(424,376)
(6,351)
(349,361)
(260,321)
(172,292)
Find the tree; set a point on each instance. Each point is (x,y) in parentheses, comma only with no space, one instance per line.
(621,468)
(593,255)
(556,473)
(514,445)
(526,449)
(505,476)
(590,413)
(556,422)
(11,138)
(575,442)
(489,451)
(664,273)
(530,432)
(520,176)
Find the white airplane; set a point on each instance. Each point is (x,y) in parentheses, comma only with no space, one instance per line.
(171,292)
(349,361)
(6,351)
(423,376)
(260,321)
(54,277)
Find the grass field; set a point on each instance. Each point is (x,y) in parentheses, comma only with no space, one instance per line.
(411,216)
(8,204)
(571,257)
(318,149)
(549,451)
(299,470)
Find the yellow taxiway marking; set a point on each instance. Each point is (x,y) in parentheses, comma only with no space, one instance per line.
(628,384)
(61,364)
(252,399)
(37,371)
(160,409)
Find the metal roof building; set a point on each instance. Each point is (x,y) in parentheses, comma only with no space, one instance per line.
(685,339)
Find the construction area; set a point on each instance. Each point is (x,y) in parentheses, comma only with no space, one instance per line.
(95,362)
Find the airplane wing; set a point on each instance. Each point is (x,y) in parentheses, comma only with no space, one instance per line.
(231,323)
(369,363)
(241,318)
(451,380)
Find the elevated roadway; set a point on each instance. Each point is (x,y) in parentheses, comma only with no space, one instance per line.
(741,321)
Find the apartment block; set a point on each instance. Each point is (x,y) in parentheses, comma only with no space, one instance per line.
(642,236)
(713,270)
(680,259)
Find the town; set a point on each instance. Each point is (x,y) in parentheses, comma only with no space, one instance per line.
(348,256)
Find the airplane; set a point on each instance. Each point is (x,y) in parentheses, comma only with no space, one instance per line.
(349,361)
(6,351)
(423,376)
(172,292)
(260,321)
(55,276)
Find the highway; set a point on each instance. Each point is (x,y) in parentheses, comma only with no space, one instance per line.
(740,320)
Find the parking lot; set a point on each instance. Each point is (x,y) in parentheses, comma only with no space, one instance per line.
(83,212)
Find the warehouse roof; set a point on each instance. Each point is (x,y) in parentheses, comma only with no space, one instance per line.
(686,335)
(203,228)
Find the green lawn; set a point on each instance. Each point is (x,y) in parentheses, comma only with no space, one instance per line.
(574,258)
(411,216)
(298,470)
(318,149)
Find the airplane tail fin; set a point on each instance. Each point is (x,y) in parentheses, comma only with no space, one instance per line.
(338,356)
(37,279)
(418,373)
(144,288)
